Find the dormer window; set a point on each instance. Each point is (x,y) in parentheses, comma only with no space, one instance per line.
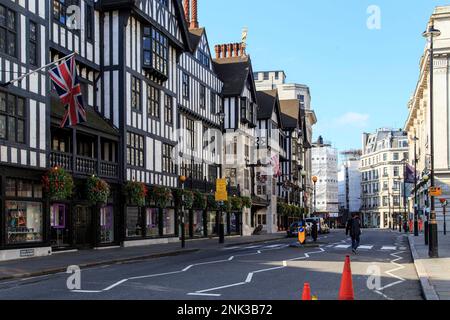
(155,52)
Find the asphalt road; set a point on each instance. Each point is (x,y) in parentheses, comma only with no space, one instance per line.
(270,271)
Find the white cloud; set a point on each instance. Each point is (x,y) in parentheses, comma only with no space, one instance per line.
(353,119)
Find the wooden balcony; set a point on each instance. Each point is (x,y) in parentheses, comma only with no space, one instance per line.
(84,165)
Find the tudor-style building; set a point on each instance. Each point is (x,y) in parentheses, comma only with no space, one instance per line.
(126,57)
(24,129)
(271,152)
(142,44)
(234,68)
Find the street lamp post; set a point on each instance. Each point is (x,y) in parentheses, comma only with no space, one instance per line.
(182,214)
(315,179)
(416,206)
(433,241)
(426,224)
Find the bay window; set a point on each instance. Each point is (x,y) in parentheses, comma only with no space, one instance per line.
(155,51)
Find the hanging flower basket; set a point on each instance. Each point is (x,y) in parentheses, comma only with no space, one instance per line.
(188,198)
(236,203)
(199,201)
(136,192)
(226,206)
(98,190)
(161,197)
(282,209)
(57,184)
(211,202)
(247,202)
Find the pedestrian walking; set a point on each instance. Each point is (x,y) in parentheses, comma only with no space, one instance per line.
(354,229)
(315,231)
(420,224)
(411,225)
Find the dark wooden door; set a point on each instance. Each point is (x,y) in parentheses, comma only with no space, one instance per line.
(83,227)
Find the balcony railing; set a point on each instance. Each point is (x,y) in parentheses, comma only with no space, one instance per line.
(61,160)
(109,169)
(83,165)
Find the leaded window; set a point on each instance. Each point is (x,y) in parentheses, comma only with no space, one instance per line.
(153,101)
(8,32)
(136,94)
(12,118)
(155,48)
(168,165)
(168,109)
(32,44)
(135,150)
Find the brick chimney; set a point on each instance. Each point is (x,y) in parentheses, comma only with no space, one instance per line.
(236,49)
(194,12)
(218,51)
(186,5)
(230,50)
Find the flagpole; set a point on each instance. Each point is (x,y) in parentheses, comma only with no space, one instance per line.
(34,71)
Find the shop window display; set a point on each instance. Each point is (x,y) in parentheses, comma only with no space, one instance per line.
(134,223)
(169,222)
(107,224)
(198,224)
(23,222)
(152,222)
(58,224)
(212,223)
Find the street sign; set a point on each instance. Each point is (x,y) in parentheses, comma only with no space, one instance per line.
(221,190)
(435,192)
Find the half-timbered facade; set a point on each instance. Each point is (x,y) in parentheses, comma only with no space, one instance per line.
(23,127)
(142,44)
(240,109)
(272,153)
(199,125)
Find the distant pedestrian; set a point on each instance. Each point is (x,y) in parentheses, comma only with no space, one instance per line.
(405,226)
(315,231)
(354,229)
(411,225)
(420,225)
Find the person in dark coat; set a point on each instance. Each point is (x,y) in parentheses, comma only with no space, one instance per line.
(315,231)
(354,229)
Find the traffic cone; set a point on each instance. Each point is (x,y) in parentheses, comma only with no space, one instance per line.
(306,296)
(346,291)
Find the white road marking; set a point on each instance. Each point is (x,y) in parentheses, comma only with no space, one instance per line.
(390,272)
(365,247)
(205,294)
(343,246)
(252,247)
(177,272)
(274,246)
(389,248)
(249,277)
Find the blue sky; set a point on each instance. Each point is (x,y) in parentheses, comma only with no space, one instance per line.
(360,79)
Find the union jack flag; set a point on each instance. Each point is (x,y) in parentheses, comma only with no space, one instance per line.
(65,80)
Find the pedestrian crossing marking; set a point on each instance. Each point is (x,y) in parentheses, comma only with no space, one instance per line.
(343,246)
(389,248)
(274,246)
(365,247)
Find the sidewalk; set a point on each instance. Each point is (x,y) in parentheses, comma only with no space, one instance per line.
(434,274)
(58,262)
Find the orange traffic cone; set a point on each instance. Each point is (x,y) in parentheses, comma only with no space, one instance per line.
(346,292)
(306,292)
